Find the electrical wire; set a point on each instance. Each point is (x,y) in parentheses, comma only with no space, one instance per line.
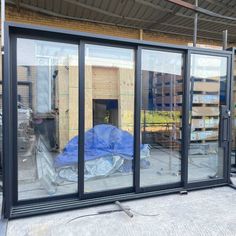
(83,216)
(141,214)
(93,214)
(109,212)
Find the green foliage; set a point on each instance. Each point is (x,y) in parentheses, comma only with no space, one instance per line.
(161,117)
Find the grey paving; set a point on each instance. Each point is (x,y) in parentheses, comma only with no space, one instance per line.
(204,212)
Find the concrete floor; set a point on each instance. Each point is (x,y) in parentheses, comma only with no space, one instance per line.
(204,212)
(164,168)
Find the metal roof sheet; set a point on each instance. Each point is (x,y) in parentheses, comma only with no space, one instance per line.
(155,15)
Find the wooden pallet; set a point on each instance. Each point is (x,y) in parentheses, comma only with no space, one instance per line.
(205,111)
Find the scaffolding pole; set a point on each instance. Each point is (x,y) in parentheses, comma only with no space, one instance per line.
(195,26)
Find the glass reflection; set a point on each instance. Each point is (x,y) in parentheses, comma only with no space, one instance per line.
(47,101)
(207,99)
(161,113)
(233,135)
(109,108)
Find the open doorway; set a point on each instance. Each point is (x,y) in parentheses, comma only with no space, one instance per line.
(105,111)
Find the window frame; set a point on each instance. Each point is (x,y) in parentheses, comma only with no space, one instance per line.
(14,208)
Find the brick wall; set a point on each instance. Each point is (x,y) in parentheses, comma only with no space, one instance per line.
(30,17)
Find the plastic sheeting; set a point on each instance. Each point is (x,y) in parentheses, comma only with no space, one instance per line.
(100,141)
(103,166)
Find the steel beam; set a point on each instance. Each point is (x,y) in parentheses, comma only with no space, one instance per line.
(197,9)
(195,26)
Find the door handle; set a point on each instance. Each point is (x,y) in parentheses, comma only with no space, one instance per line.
(224,117)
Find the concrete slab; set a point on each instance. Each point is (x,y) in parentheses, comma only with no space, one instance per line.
(3,222)
(204,212)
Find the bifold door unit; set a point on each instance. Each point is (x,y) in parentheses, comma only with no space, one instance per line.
(91,119)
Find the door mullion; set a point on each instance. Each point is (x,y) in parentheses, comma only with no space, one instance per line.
(230,105)
(81,120)
(137,121)
(185,121)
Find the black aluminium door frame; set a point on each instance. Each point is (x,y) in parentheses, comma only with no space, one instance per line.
(226,158)
(14,114)
(137,107)
(38,206)
(233,49)
(182,182)
(82,79)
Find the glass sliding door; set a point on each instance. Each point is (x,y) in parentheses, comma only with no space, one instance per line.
(208,112)
(47,110)
(233,145)
(161,112)
(109,117)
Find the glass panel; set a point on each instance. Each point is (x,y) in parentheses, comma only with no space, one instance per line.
(109,108)
(1,144)
(47,87)
(161,111)
(233,150)
(207,98)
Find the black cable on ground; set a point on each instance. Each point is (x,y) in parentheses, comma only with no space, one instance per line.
(109,212)
(93,214)
(141,214)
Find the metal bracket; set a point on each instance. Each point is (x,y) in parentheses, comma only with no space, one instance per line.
(127,211)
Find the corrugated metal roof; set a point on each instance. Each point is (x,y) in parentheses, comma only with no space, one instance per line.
(155,15)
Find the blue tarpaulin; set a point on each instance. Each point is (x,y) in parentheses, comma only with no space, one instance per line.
(101,141)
